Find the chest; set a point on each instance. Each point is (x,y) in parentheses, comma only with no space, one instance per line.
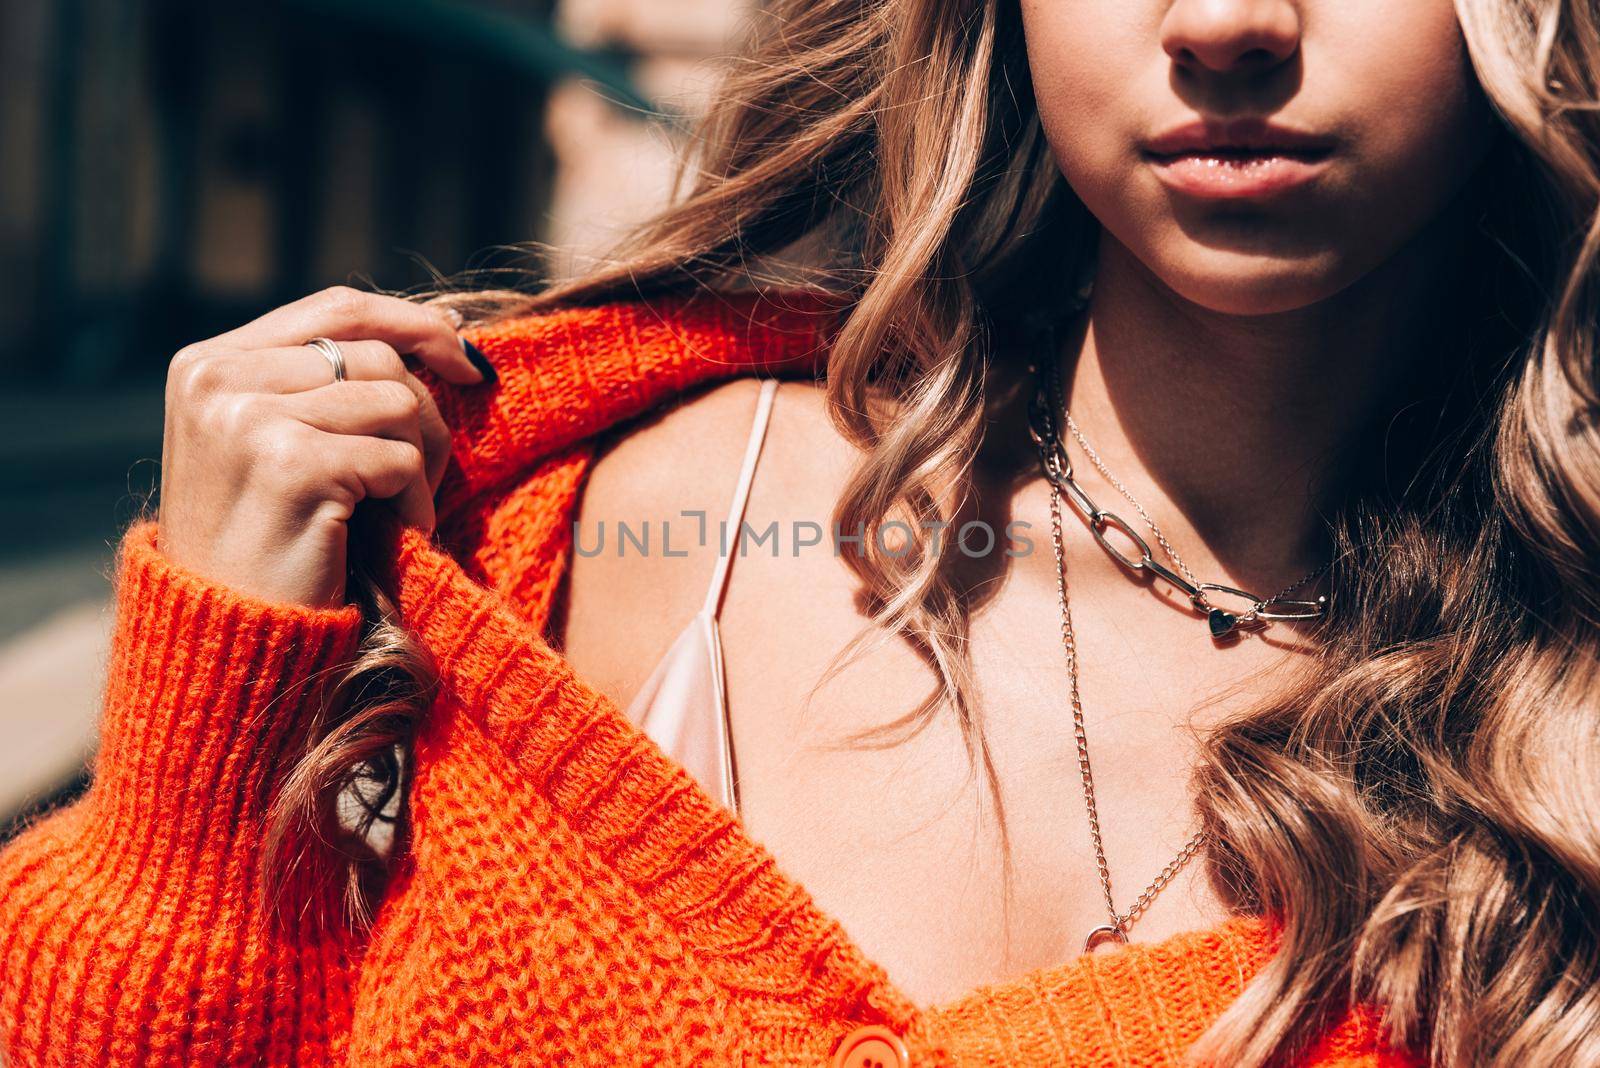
(900,838)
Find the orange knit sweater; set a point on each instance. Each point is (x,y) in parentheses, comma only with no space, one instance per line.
(569,895)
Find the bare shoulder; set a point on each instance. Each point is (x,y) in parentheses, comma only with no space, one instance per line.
(649,511)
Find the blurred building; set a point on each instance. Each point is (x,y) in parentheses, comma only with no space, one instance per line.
(171,169)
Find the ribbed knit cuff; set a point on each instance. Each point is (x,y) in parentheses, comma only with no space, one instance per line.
(208,693)
(129,930)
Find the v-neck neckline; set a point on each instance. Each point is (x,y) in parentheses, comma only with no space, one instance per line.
(760,933)
(757,931)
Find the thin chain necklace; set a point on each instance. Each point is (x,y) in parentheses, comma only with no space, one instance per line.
(1117,929)
(1058,471)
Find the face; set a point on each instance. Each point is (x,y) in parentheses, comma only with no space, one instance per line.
(1258,156)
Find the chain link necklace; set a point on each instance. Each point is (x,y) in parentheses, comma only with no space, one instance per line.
(1058,471)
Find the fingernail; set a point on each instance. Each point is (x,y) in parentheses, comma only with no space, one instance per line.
(455,317)
(478,360)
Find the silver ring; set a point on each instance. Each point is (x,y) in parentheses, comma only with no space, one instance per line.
(335,355)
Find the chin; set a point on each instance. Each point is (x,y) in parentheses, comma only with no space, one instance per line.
(1232,284)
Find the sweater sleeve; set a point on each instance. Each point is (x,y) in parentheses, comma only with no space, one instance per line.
(129,933)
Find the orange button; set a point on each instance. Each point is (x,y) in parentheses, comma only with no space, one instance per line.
(872,1046)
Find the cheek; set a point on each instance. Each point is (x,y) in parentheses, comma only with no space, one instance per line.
(1080,56)
(1422,117)
(1419,127)
(1094,68)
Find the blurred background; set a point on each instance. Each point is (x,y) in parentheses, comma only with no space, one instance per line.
(170,169)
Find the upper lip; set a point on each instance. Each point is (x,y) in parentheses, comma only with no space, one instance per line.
(1246,134)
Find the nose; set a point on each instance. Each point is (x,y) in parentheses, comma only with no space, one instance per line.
(1231,36)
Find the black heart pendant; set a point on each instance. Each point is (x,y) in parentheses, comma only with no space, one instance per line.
(1221,622)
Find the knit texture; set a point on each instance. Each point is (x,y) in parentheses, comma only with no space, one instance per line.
(569,894)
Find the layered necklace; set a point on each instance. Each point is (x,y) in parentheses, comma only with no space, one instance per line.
(1254,612)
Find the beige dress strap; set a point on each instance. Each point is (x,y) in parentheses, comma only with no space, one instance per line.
(683,706)
(741,494)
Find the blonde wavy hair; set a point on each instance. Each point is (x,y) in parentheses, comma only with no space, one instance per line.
(1420,812)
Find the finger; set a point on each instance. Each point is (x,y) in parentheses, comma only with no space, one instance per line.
(346,314)
(294,369)
(302,368)
(370,409)
(381,469)
(403,410)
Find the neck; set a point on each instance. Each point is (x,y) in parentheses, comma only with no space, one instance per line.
(1233,430)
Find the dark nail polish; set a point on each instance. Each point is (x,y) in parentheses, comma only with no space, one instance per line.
(478,360)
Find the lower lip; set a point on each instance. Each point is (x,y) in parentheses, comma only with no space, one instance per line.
(1236,177)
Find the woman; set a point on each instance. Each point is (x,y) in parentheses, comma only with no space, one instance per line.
(1297,295)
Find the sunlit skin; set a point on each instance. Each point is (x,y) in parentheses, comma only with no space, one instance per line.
(1230,347)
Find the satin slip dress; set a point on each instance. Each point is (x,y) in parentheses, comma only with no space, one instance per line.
(683,705)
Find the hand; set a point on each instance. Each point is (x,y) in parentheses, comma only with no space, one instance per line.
(265,457)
